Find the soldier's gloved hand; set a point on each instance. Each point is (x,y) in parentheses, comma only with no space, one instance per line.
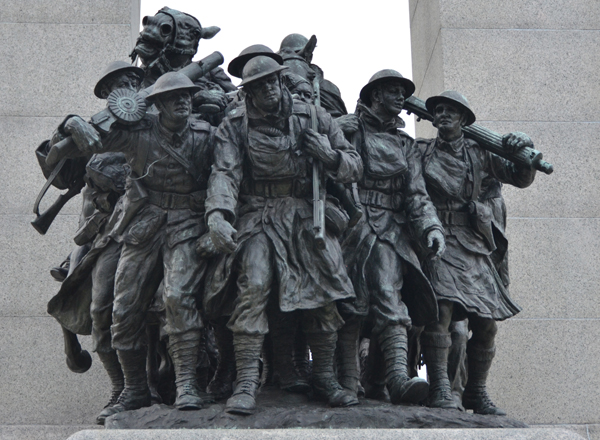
(348,123)
(436,242)
(513,142)
(317,145)
(222,234)
(210,97)
(84,135)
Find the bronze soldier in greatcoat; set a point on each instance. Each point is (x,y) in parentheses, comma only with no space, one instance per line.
(261,182)
(158,224)
(391,289)
(465,279)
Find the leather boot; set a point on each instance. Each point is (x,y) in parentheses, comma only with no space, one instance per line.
(221,385)
(435,353)
(111,364)
(394,345)
(322,346)
(475,396)
(283,334)
(136,393)
(373,374)
(184,350)
(347,350)
(247,354)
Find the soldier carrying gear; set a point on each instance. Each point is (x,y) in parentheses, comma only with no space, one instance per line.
(159,223)
(395,294)
(262,173)
(466,282)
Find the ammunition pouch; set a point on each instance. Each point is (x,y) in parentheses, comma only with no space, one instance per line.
(90,228)
(336,219)
(278,188)
(481,221)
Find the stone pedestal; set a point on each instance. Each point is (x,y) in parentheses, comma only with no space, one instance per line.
(533,67)
(52,55)
(330,434)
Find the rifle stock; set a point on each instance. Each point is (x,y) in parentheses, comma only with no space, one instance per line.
(487,139)
(43,221)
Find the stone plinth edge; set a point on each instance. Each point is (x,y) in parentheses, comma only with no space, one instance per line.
(328,434)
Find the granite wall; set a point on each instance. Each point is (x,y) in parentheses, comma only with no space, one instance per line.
(52,54)
(532,66)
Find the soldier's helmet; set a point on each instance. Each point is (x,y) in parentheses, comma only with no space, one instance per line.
(259,67)
(171,81)
(293,43)
(385,76)
(236,65)
(114,68)
(453,98)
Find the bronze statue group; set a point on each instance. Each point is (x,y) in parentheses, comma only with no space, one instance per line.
(238,238)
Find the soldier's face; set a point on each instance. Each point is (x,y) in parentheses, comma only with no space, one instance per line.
(266,93)
(392,97)
(176,105)
(127,80)
(448,117)
(305,92)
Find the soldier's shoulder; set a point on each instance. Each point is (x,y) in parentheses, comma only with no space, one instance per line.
(423,144)
(236,113)
(147,122)
(200,125)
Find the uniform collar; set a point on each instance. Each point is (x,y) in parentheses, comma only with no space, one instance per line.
(375,124)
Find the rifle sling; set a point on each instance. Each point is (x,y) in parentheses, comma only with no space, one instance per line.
(55,171)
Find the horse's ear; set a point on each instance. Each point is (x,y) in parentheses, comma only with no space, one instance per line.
(307,51)
(209,32)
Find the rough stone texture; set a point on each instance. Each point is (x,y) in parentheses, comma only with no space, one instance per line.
(529,75)
(40,432)
(542,257)
(534,71)
(52,55)
(541,365)
(582,430)
(277,409)
(28,260)
(517,14)
(56,84)
(21,137)
(333,434)
(37,387)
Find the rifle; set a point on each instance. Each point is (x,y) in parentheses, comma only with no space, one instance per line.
(43,221)
(487,139)
(317,170)
(128,107)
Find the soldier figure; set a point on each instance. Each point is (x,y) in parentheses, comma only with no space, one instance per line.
(465,278)
(378,251)
(261,174)
(159,223)
(105,183)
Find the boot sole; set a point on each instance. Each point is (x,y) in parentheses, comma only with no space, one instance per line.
(240,411)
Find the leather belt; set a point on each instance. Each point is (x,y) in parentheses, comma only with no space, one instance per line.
(279,188)
(454,218)
(166,200)
(378,199)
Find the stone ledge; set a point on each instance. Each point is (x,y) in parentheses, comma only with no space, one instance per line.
(330,434)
